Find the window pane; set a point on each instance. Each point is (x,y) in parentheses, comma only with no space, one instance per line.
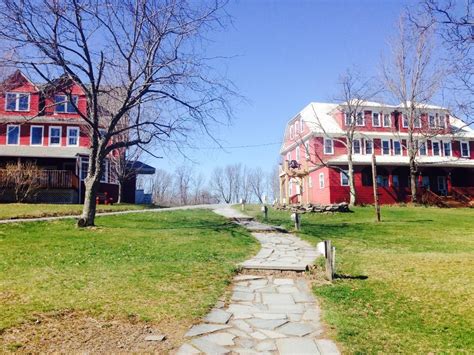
(60,103)
(328,146)
(386,147)
(464,149)
(55,136)
(435,148)
(423,148)
(375,119)
(24,102)
(13,135)
(368,147)
(397,148)
(70,107)
(73,136)
(11,102)
(356,146)
(37,135)
(386,120)
(447,149)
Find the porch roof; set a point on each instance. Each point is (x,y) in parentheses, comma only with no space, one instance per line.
(25,151)
(404,161)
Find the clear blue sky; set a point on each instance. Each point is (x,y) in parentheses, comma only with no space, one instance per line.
(287,54)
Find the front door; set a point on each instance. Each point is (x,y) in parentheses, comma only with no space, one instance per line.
(442,186)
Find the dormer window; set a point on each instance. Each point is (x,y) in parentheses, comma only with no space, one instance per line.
(347,119)
(64,105)
(417,122)
(387,122)
(15,101)
(404,121)
(432,121)
(360,121)
(375,119)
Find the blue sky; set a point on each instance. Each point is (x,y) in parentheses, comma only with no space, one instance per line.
(286,54)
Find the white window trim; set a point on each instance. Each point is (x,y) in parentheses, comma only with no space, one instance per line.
(347,119)
(31,135)
(374,125)
(310,182)
(17,101)
(60,136)
(292,135)
(321,181)
(389,147)
(297,154)
(288,156)
(389,120)
(365,146)
(450,149)
(363,119)
(403,121)
(342,178)
(105,173)
(67,136)
(19,133)
(401,148)
(468,149)
(65,102)
(332,146)
(360,146)
(419,148)
(440,149)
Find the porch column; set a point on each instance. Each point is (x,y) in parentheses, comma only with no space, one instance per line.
(449,184)
(287,201)
(390,177)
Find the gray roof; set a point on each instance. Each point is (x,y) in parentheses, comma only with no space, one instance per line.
(41,151)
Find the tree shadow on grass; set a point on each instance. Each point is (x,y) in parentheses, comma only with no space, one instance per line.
(350,277)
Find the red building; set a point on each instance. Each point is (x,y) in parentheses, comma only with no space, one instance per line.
(314,155)
(38,123)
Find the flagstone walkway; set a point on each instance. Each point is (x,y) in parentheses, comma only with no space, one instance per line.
(268,313)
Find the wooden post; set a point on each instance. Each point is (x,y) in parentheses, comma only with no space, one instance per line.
(329,260)
(295,217)
(374,183)
(265,212)
(334,260)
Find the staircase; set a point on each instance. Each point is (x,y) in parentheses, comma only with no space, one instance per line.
(457,199)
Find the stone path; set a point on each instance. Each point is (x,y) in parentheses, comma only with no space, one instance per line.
(267,314)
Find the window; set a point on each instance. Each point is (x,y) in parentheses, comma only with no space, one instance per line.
(417,122)
(64,105)
(105,171)
(297,127)
(387,121)
(465,153)
(447,149)
(385,147)
(73,136)
(397,148)
(298,153)
(17,101)
(369,146)
(321,180)
(55,135)
(84,167)
(347,119)
(310,182)
(441,121)
(288,156)
(422,148)
(344,178)
(432,121)
(395,181)
(328,146)
(356,146)
(360,121)
(13,135)
(382,180)
(375,119)
(36,135)
(436,148)
(404,121)
(292,135)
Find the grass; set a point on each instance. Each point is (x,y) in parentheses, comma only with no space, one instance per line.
(154,267)
(32,210)
(406,284)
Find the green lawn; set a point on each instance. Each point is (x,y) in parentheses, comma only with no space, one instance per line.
(168,267)
(31,210)
(418,296)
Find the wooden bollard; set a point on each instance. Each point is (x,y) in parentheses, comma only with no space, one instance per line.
(295,217)
(265,212)
(330,259)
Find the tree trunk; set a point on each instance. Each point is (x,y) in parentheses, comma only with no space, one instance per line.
(89,208)
(120,191)
(413,181)
(350,172)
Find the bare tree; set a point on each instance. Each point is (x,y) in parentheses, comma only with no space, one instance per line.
(183,176)
(24,179)
(122,162)
(162,187)
(226,182)
(257,182)
(137,61)
(453,21)
(412,76)
(355,94)
(245,185)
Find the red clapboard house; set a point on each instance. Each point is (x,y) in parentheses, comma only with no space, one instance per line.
(314,159)
(38,124)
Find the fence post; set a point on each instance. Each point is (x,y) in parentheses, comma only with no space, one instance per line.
(265,212)
(329,260)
